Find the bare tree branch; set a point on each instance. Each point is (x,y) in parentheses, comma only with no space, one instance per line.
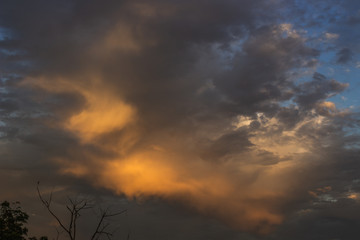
(74,208)
(101,226)
(47,204)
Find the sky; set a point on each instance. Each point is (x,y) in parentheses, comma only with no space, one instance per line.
(208,119)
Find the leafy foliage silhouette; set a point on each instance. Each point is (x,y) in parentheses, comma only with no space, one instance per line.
(12,222)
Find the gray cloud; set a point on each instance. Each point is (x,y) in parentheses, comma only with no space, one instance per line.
(344,55)
(321,88)
(208,90)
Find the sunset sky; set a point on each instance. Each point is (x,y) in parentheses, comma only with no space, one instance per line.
(206,119)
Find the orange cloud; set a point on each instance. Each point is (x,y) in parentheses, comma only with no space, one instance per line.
(242,191)
(103,113)
(224,192)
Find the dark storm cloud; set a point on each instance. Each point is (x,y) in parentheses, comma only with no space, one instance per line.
(65,28)
(75,27)
(344,55)
(332,212)
(290,116)
(206,82)
(258,78)
(231,143)
(319,89)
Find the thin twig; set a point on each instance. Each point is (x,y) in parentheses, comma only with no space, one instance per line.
(47,204)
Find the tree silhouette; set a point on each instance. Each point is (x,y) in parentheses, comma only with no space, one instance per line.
(12,222)
(75,208)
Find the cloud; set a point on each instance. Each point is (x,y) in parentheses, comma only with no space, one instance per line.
(344,55)
(319,89)
(197,104)
(331,36)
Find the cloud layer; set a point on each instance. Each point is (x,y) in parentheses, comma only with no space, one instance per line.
(212,105)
